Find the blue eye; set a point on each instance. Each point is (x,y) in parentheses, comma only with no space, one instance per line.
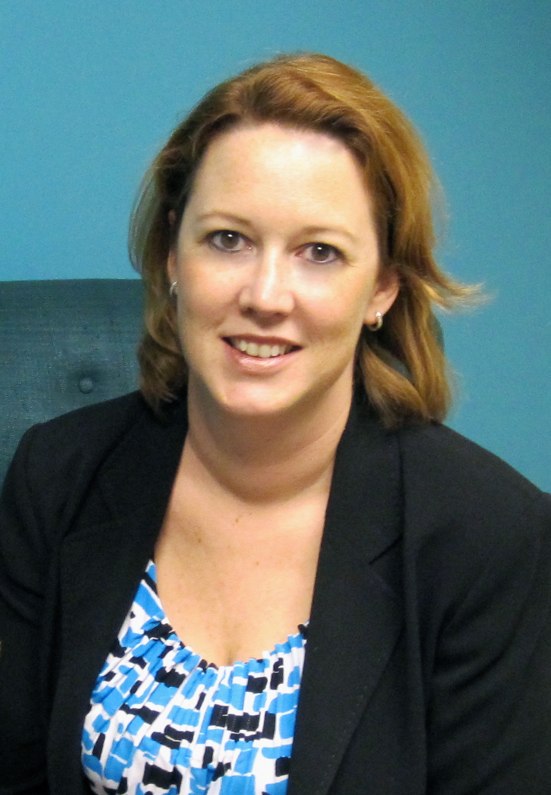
(321,253)
(228,241)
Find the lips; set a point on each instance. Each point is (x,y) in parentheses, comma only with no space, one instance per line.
(260,350)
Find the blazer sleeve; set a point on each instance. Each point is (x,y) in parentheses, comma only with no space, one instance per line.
(489,693)
(24,556)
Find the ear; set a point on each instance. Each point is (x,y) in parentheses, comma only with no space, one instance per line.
(384,294)
(171,270)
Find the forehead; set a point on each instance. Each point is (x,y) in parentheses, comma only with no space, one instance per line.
(270,143)
(273,164)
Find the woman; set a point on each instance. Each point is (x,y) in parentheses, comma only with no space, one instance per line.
(273,570)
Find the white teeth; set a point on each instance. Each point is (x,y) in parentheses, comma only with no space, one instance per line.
(263,351)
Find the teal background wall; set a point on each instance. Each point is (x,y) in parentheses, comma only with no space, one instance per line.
(89,90)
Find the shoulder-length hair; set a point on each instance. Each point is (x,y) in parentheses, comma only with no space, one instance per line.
(402,367)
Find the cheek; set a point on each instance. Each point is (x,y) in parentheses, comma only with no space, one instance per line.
(342,299)
(193,293)
(202,303)
(340,316)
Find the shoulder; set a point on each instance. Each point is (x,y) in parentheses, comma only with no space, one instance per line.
(466,511)
(64,454)
(441,463)
(87,432)
(106,418)
(65,471)
(437,468)
(438,481)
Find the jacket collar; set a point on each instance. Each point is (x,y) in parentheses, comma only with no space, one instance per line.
(101,561)
(356,614)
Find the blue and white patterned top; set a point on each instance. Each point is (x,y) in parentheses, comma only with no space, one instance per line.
(163,720)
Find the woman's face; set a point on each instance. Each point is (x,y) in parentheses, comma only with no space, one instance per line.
(277,265)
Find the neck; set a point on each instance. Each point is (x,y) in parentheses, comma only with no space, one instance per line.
(264,459)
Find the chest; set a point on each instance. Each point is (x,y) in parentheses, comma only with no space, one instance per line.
(236,580)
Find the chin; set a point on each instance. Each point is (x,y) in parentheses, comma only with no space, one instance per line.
(268,408)
(266,401)
(253,403)
(272,406)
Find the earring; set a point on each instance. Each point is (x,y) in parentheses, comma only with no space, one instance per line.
(173,290)
(378,324)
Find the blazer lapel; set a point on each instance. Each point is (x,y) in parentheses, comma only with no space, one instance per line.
(356,617)
(101,564)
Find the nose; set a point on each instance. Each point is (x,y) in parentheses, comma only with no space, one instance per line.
(267,290)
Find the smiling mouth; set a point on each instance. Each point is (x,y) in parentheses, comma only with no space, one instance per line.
(262,350)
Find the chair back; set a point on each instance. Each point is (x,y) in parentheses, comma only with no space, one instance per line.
(64,344)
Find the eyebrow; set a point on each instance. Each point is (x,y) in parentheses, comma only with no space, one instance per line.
(214,214)
(312,230)
(329,230)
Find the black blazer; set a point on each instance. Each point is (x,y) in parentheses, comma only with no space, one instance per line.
(428,662)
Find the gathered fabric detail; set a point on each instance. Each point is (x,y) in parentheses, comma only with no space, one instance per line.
(164,720)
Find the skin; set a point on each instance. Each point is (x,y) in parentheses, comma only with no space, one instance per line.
(277,247)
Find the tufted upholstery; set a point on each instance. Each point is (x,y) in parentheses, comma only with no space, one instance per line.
(63,344)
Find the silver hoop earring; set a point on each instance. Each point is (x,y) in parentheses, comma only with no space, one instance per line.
(173,290)
(378,324)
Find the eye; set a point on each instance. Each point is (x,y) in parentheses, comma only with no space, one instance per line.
(321,253)
(228,241)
